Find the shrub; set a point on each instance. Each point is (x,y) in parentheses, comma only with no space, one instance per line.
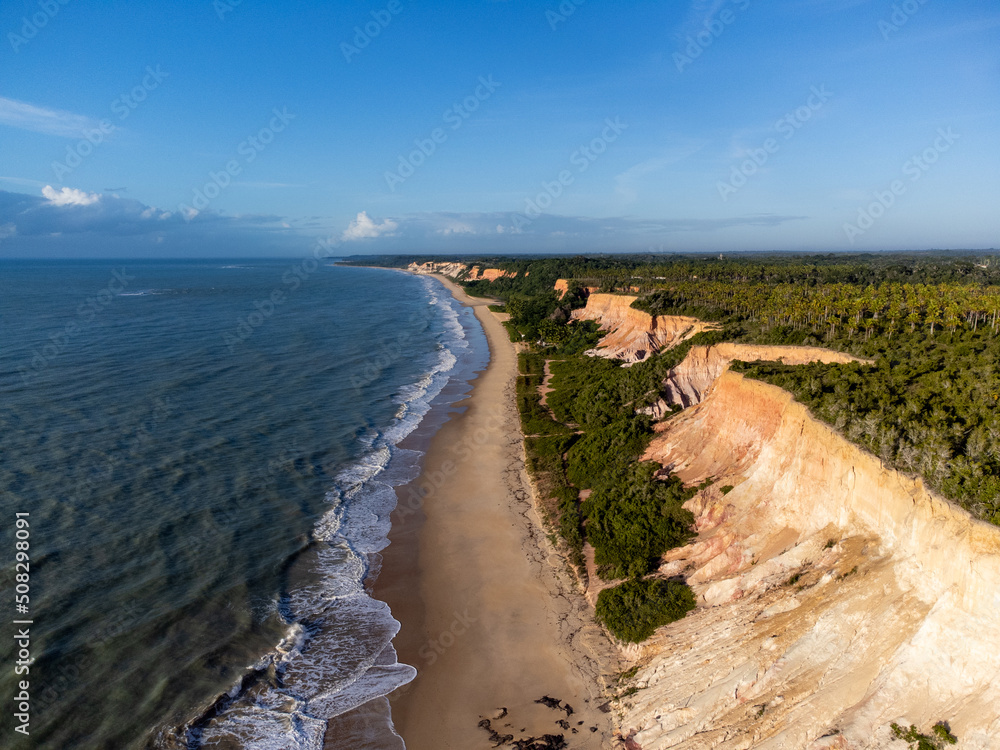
(607,450)
(942,736)
(633,610)
(633,518)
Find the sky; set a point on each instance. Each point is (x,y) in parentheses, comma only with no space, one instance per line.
(253,128)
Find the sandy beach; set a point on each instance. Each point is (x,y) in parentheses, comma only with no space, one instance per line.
(488,614)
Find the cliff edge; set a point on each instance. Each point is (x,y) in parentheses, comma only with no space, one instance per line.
(690,381)
(836,596)
(634,335)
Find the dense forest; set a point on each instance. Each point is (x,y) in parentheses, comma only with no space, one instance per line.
(929,405)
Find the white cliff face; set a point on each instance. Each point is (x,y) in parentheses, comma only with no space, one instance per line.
(634,335)
(452,270)
(835,596)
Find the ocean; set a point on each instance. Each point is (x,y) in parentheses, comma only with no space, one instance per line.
(207,453)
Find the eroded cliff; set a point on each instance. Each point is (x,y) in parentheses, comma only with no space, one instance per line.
(562,286)
(835,596)
(452,270)
(688,383)
(633,335)
(489,274)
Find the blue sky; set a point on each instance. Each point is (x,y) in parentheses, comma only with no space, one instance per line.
(254,128)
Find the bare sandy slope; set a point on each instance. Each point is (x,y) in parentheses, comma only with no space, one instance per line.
(489,618)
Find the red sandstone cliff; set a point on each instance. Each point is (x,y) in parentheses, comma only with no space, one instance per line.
(489,274)
(836,596)
(633,335)
(562,286)
(689,382)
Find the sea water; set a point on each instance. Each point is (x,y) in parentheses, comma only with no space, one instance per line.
(208,451)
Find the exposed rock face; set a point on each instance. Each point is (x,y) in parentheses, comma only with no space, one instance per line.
(562,286)
(452,270)
(633,335)
(835,596)
(490,274)
(689,382)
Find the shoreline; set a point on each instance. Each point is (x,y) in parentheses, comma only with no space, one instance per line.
(490,618)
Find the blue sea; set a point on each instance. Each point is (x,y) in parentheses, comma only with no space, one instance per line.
(208,452)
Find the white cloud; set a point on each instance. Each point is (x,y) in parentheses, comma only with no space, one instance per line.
(41,120)
(364,228)
(69,196)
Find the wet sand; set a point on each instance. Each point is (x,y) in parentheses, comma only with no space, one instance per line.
(489,615)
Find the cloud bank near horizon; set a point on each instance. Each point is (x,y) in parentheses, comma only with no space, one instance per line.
(69,222)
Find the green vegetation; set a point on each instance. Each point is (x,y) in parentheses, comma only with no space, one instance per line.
(632,519)
(928,405)
(593,439)
(535,418)
(628,674)
(941,736)
(635,609)
(885,308)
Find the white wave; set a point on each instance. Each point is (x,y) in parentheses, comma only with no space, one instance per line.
(345,658)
